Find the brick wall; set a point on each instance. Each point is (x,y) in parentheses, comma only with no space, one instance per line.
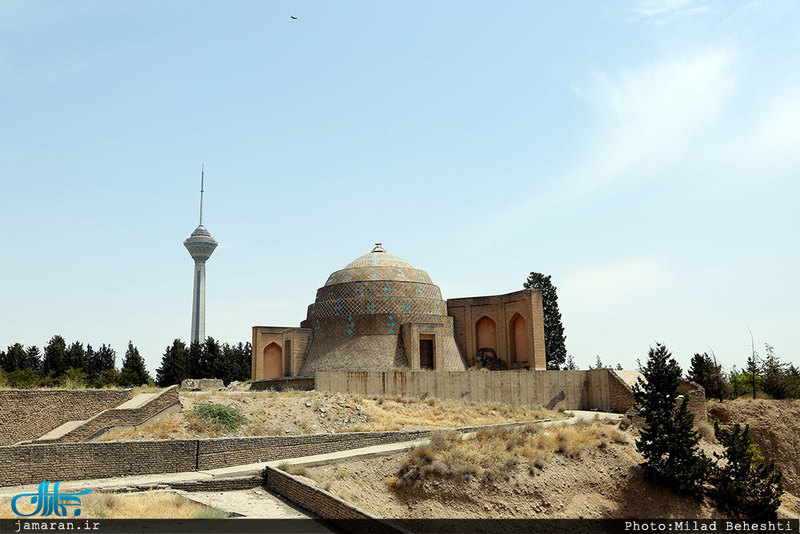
(697,399)
(123,417)
(224,452)
(283,384)
(28,414)
(620,393)
(32,463)
(327,506)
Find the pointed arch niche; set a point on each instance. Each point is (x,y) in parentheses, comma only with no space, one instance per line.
(273,361)
(518,337)
(486,334)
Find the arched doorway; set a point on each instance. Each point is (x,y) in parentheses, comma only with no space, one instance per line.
(518,335)
(273,361)
(486,334)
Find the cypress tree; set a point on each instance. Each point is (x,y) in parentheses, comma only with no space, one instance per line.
(134,372)
(668,442)
(554,339)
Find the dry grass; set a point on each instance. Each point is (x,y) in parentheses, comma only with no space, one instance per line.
(397,413)
(271,413)
(492,454)
(148,505)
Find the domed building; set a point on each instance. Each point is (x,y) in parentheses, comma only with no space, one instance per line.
(380,313)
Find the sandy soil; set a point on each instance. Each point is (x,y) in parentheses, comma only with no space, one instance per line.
(286,413)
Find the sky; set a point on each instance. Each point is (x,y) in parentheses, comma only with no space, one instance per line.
(645,154)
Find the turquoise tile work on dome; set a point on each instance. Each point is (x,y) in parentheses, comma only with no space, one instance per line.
(378,265)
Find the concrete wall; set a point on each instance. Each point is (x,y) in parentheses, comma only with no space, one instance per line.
(28,414)
(572,390)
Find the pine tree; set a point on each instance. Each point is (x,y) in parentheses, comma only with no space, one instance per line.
(14,358)
(667,442)
(775,375)
(75,356)
(33,358)
(174,365)
(134,372)
(570,365)
(746,486)
(54,361)
(554,339)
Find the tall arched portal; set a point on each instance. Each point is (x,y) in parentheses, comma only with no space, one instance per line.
(518,336)
(486,334)
(273,361)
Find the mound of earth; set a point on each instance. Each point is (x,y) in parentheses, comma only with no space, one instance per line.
(774,427)
(602,482)
(294,412)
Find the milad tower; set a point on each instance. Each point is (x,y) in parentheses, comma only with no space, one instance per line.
(200,245)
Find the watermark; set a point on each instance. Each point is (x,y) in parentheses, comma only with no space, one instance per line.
(48,501)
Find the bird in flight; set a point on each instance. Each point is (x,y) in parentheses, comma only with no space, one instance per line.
(293,17)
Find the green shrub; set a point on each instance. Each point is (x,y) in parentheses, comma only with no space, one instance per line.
(223,416)
(23,378)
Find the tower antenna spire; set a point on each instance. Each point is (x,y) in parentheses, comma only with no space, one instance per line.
(202,183)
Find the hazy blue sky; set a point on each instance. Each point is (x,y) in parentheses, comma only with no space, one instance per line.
(645,154)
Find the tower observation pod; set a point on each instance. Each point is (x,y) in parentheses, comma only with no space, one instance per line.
(200,245)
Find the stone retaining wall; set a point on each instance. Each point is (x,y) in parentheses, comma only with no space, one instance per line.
(283,384)
(326,505)
(32,463)
(28,414)
(98,424)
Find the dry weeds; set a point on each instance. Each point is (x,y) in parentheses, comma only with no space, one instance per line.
(148,505)
(271,413)
(491,454)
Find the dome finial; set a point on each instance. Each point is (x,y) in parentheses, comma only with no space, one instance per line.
(378,248)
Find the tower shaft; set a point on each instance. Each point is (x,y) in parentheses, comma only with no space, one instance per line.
(199,303)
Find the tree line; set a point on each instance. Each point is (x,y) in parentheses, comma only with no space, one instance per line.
(768,375)
(79,365)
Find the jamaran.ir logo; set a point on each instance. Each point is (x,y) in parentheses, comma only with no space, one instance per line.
(49,501)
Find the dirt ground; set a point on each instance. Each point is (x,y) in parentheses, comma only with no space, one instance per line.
(601,482)
(774,427)
(295,412)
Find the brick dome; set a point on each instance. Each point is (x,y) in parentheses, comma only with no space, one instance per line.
(358,313)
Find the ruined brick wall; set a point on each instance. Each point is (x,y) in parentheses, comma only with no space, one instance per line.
(28,414)
(119,417)
(620,393)
(697,398)
(283,384)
